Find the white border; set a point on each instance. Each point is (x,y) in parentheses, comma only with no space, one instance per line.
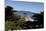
(44,15)
(1,15)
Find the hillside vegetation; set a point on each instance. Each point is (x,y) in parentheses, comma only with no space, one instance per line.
(14,22)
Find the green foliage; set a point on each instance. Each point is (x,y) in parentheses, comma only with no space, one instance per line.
(16,24)
(39,18)
(8,12)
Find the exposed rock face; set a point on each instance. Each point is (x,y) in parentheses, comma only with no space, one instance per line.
(28,18)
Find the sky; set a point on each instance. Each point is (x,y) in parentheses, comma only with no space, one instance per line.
(25,5)
(30,0)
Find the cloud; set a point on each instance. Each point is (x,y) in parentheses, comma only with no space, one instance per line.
(30,0)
